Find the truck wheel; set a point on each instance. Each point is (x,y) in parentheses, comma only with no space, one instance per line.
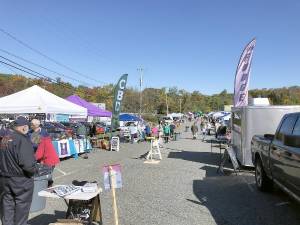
(263,182)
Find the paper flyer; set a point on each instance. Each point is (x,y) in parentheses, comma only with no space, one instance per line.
(116,173)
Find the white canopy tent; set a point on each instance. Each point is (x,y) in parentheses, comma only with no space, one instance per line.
(38,100)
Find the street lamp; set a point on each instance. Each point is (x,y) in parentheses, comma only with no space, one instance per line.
(140,70)
(180,101)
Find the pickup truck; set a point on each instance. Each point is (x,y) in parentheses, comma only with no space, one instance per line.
(277,157)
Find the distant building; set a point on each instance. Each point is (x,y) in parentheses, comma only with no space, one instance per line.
(227,108)
(259,102)
(99,105)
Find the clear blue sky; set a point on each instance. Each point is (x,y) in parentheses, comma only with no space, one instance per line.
(191,44)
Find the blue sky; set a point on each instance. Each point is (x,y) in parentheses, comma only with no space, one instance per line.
(191,44)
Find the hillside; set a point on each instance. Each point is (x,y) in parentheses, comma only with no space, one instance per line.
(154,100)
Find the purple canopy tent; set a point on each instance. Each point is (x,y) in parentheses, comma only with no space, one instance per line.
(92,109)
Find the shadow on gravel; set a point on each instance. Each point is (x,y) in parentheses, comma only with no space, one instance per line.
(200,157)
(142,156)
(44,219)
(235,200)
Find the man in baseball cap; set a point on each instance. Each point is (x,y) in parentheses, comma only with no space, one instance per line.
(17,167)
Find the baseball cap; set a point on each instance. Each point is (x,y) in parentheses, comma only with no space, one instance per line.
(21,121)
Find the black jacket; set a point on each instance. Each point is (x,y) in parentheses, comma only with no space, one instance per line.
(16,156)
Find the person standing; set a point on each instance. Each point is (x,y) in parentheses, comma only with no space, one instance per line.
(155,131)
(43,148)
(148,130)
(81,133)
(133,132)
(194,129)
(17,167)
(36,133)
(204,131)
(166,132)
(217,126)
(46,155)
(172,129)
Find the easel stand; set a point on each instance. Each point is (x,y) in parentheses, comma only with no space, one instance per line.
(112,183)
(228,153)
(154,151)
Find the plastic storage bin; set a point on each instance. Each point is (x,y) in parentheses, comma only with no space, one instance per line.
(40,183)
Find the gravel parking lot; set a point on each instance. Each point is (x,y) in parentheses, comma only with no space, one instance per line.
(184,188)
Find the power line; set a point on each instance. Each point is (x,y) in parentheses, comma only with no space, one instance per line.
(45,68)
(20,69)
(32,73)
(25,67)
(12,70)
(45,56)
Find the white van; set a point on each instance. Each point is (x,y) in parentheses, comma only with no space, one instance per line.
(168,119)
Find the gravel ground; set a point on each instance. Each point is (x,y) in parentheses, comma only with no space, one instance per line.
(184,189)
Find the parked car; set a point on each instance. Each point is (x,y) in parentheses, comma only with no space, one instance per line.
(168,119)
(54,129)
(277,157)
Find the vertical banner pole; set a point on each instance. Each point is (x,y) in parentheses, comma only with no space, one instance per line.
(118,98)
(242,75)
(112,183)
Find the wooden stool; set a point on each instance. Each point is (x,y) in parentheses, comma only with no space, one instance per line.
(154,150)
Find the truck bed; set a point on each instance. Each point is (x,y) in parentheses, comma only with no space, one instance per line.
(261,145)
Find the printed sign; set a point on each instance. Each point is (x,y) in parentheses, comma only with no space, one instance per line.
(241,83)
(233,158)
(63,148)
(119,94)
(62,118)
(115,144)
(112,173)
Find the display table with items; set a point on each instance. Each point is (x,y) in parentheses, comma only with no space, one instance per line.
(149,139)
(101,141)
(83,202)
(176,136)
(221,142)
(71,147)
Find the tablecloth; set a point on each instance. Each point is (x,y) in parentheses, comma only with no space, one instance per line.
(72,147)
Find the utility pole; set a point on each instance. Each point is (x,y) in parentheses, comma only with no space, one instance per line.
(180,100)
(140,70)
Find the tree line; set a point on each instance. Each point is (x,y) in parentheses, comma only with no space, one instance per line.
(154,100)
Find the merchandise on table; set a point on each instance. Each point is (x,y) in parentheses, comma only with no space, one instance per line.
(67,148)
(65,190)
